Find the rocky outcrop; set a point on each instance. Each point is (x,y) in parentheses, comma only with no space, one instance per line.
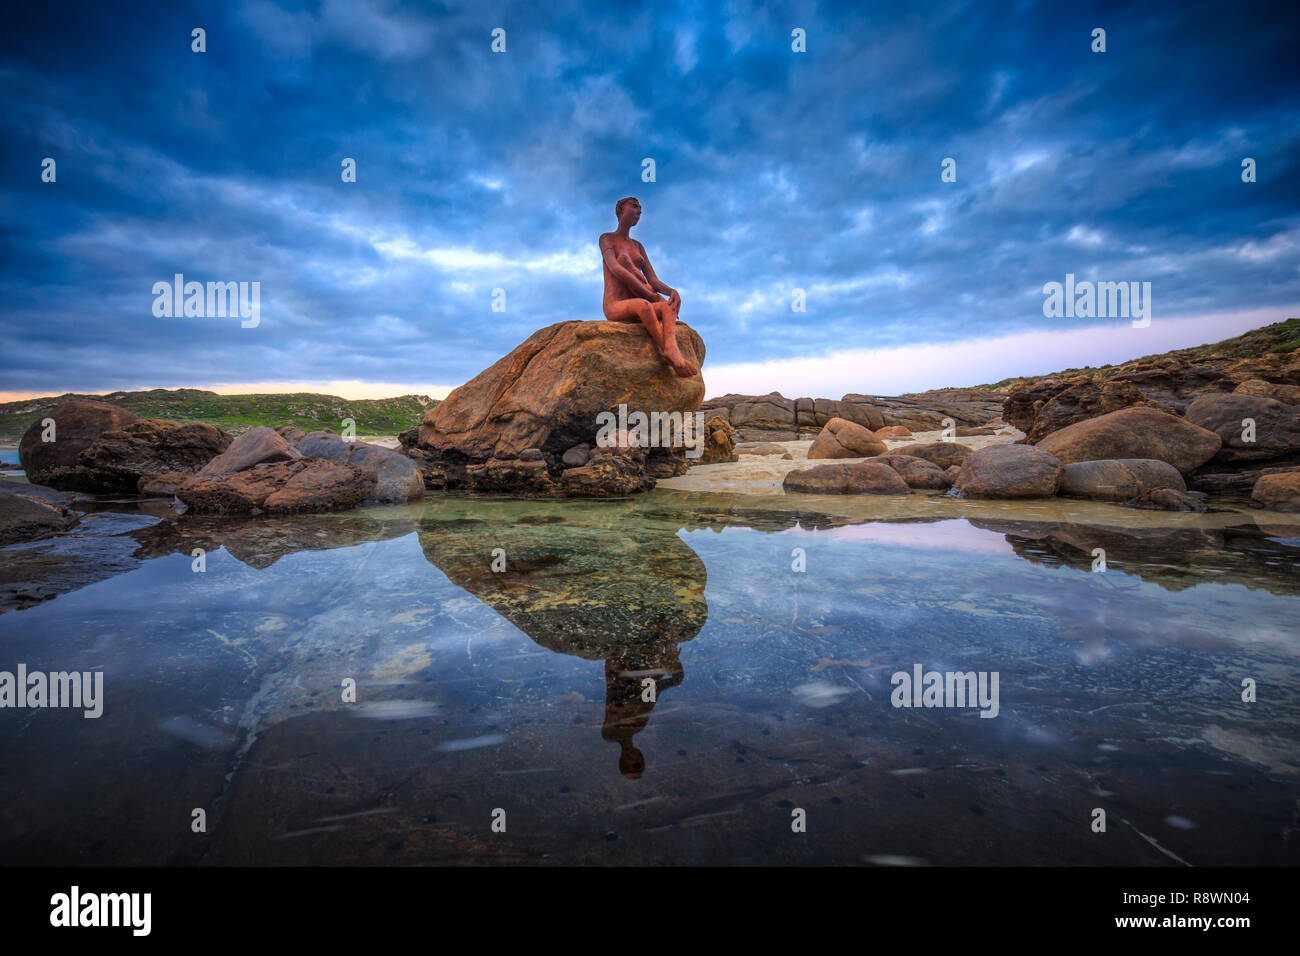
(719,442)
(549,395)
(850,478)
(1261,362)
(125,459)
(28,517)
(279,487)
(842,438)
(941,453)
(1134,433)
(894,431)
(1289,394)
(1008,471)
(1119,479)
(260,445)
(396,477)
(76,424)
(1251,427)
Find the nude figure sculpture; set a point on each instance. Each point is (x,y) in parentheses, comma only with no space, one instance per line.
(632,290)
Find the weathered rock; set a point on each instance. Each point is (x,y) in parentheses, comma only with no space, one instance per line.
(849,478)
(761,448)
(719,442)
(1279,492)
(842,438)
(1167,499)
(120,459)
(1138,432)
(397,479)
(611,473)
(666,462)
(967,431)
(260,445)
(291,433)
(28,517)
(77,423)
(1276,425)
(165,485)
(942,453)
(951,473)
(893,431)
(577,456)
(1119,479)
(548,392)
(917,472)
(280,487)
(511,475)
(1288,394)
(824,410)
(1008,471)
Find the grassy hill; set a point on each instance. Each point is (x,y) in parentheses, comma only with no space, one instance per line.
(237,413)
(1280,337)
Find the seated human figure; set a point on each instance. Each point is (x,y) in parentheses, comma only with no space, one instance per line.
(632,290)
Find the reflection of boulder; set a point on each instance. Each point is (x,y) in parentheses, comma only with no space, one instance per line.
(621,582)
(626,590)
(1172,557)
(260,542)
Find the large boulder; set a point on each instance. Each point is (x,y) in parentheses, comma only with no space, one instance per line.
(1279,492)
(849,478)
(1008,471)
(27,517)
(917,472)
(396,477)
(548,392)
(1275,432)
(260,445)
(279,487)
(127,458)
(1119,479)
(77,423)
(841,438)
(942,453)
(893,431)
(1138,432)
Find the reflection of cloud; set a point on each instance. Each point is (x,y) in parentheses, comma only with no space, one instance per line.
(957,535)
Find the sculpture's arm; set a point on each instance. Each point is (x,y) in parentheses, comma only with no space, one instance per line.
(655,282)
(633,281)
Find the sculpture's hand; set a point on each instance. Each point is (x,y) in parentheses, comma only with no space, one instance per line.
(674,300)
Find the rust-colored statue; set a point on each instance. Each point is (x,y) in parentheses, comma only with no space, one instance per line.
(632,290)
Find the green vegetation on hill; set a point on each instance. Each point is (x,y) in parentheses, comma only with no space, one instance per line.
(237,413)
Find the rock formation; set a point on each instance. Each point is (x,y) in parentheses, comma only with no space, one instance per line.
(547,398)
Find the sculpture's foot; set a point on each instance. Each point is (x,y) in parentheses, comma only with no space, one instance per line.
(680,365)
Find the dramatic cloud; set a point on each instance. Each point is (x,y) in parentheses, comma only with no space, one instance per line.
(776,171)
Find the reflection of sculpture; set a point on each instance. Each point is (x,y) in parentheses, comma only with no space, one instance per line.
(625,591)
(632,288)
(627,701)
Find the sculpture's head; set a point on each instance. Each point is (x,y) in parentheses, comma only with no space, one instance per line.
(628,210)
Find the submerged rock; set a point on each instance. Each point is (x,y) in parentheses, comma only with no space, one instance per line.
(28,517)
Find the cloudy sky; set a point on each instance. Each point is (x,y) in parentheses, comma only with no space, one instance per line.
(775,170)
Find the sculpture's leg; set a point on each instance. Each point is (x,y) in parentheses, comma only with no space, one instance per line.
(639,310)
(672,354)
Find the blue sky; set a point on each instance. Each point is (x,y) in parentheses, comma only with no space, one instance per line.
(775,170)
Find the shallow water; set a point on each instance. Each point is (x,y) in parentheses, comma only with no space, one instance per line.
(523,691)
